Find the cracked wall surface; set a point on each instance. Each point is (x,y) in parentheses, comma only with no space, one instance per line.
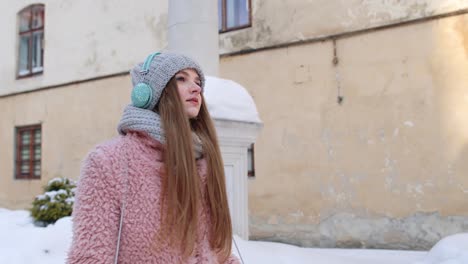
(386,167)
(277,22)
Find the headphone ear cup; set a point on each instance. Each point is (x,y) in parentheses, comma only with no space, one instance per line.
(142,95)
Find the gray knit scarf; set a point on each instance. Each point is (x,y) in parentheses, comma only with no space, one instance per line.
(138,119)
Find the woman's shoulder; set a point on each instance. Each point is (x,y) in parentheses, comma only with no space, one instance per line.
(108,149)
(133,144)
(99,167)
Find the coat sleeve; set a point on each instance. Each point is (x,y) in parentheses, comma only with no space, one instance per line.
(96,213)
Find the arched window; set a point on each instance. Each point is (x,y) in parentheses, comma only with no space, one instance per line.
(31,40)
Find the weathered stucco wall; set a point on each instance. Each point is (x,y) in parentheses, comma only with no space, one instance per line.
(66,115)
(385,168)
(83,39)
(277,22)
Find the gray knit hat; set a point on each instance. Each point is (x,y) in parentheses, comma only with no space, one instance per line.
(156,72)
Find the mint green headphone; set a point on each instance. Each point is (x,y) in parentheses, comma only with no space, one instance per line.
(142,93)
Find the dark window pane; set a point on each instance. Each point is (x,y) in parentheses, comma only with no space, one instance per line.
(25,138)
(237,13)
(25,153)
(38,17)
(24,55)
(231,13)
(24,168)
(249,160)
(37,169)
(37,153)
(25,19)
(244,13)
(37,136)
(37,51)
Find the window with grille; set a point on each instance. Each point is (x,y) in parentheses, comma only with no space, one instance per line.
(31,41)
(28,152)
(234,14)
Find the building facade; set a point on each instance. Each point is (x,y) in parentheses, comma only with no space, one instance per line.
(364,105)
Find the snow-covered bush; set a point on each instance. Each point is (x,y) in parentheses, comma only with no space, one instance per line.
(55,203)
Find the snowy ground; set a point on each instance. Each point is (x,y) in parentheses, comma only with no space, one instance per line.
(22,242)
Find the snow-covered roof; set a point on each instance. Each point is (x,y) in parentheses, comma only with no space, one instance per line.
(228,100)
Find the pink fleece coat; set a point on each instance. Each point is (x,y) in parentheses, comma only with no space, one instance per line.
(129,166)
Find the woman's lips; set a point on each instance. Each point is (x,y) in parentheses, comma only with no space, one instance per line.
(193,101)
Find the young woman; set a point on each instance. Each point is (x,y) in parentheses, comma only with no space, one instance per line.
(156,193)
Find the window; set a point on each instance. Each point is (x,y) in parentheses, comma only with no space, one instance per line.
(250,161)
(28,152)
(31,41)
(233,14)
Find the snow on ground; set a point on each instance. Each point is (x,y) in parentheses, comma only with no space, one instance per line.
(268,252)
(22,242)
(450,250)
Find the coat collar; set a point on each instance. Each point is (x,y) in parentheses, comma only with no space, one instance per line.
(144,139)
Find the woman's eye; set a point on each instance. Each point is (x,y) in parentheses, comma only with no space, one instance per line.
(180,78)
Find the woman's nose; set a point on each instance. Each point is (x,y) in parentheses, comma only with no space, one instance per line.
(195,88)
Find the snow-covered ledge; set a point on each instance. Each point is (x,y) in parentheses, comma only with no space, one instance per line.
(237,125)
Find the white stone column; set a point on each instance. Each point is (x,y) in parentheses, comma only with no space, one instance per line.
(234,139)
(193,30)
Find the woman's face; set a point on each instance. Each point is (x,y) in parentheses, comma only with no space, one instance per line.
(188,85)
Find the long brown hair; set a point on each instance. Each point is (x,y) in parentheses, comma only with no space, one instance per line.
(181,189)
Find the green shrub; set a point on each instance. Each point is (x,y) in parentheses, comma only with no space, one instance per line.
(55,203)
